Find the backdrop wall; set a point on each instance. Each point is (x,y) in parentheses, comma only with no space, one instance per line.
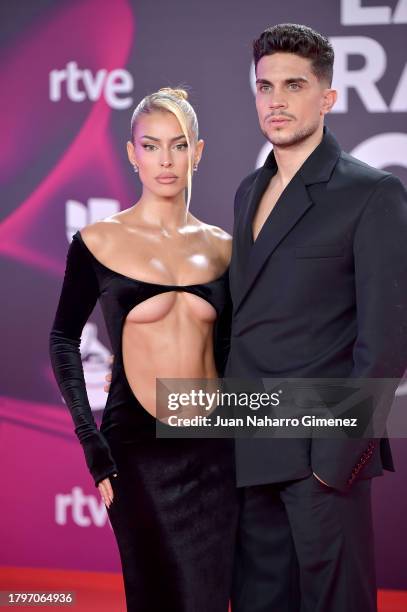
(71,73)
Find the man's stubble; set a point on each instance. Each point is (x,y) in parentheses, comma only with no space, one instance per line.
(287,140)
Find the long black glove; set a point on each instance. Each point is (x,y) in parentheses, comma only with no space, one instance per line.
(80,291)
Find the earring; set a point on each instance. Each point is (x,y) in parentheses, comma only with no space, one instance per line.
(135,168)
(195,167)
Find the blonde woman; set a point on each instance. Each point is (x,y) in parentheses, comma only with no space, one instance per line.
(161,276)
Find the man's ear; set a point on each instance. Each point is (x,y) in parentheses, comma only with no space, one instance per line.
(328,101)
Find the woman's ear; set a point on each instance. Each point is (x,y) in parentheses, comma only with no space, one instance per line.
(198,151)
(131,153)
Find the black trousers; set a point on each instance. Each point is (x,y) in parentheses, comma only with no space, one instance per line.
(305,547)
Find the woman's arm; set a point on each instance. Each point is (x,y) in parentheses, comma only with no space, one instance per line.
(79,294)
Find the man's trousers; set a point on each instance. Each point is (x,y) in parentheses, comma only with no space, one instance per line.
(305,547)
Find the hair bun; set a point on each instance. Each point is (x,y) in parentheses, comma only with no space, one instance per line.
(178,93)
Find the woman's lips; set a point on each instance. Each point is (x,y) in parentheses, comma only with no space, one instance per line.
(166,180)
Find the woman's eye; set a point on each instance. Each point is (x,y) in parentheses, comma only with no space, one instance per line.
(181,146)
(149,147)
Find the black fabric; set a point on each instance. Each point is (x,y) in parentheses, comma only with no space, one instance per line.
(321,293)
(87,280)
(301,532)
(175,501)
(174,515)
(79,294)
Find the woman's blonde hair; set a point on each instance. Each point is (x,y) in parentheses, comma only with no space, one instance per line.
(174,101)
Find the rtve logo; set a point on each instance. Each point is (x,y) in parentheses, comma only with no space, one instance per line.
(80,85)
(80,509)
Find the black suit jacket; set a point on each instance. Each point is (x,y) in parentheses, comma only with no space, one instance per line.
(322,293)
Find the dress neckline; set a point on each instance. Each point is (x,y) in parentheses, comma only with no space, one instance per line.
(136,280)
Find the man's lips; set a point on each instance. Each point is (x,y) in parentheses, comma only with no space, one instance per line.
(278,120)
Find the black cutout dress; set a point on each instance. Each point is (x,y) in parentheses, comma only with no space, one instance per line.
(174,510)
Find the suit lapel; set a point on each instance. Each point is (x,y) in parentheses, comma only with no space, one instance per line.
(290,207)
(242,234)
(242,242)
(245,223)
(293,203)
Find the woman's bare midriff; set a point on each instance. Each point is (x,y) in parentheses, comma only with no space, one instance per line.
(168,336)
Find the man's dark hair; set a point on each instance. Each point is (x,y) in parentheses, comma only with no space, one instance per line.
(298,39)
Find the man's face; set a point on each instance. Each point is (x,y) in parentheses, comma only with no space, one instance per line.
(291,102)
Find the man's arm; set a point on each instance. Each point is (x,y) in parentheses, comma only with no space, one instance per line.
(380,350)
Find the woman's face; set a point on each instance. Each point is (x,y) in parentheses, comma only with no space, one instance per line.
(160,151)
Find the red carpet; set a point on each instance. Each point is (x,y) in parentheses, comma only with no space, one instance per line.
(103,592)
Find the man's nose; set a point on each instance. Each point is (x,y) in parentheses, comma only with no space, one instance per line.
(277,101)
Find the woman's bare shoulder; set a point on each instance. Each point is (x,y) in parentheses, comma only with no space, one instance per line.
(99,235)
(220,240)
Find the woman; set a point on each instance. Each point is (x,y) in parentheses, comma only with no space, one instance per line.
(162,279)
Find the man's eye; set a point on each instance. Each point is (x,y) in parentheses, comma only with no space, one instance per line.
(264,88)
(293,86)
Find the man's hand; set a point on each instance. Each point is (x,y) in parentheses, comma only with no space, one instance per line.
(108,377)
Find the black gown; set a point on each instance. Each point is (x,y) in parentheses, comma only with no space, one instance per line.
(174,510)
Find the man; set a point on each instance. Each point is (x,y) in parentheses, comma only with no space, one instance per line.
(319,287)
